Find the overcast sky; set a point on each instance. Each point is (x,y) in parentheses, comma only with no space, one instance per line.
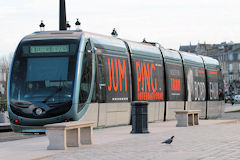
(170,22)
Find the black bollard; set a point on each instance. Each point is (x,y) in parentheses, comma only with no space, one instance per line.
(139,117)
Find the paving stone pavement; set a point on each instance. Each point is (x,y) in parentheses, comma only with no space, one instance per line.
(231,115)
(203,142)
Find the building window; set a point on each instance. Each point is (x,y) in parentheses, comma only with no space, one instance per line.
(238,56)
(230,57)
(226,79)
(230,68)
(221,58)
(230,78)
(238,67)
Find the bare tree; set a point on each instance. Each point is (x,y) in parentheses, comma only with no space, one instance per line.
(5,63)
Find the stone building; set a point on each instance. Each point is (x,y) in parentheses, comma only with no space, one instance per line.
(228,55)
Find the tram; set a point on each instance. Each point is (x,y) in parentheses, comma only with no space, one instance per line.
(60,76)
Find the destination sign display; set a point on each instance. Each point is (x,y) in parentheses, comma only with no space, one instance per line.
(49,49)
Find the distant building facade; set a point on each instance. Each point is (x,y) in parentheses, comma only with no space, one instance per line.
(228,55)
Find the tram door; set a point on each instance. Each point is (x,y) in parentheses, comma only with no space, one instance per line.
(87,76)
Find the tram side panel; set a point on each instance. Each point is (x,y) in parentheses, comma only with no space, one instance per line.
(195,89)
(148,85)
(111,105)
(214,104)
(113,89)
(175,88)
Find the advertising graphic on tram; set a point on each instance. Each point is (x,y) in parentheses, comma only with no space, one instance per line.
(148,80)
(196,89)
(117,79)
(175,82)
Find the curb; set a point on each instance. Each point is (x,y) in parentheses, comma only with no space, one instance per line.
(228,122)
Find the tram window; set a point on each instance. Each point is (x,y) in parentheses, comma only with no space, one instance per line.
(53,69)
(101,79)
(86,76)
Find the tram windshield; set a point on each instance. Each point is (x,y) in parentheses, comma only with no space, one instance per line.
(43,72)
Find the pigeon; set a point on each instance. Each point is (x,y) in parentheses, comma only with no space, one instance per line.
(168,141)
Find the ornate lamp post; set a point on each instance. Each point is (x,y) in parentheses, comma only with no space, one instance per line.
(77,24)
(42,26)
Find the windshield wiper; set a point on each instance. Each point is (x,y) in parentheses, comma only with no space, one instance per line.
(52,95)
(22,104)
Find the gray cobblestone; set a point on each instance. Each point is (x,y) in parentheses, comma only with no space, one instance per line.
(203,142)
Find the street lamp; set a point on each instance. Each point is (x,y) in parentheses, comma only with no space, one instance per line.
(77,24)
(42,26)
(114,33)
(68,25)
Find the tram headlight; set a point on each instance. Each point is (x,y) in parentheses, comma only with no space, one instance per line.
(38,111)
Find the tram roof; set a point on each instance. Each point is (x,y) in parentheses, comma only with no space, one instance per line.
(54,34)
(210,63)
(171,55)
(100,41)
(112,43)
(117,44)
(144,49)
(107,42)
(192,59)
